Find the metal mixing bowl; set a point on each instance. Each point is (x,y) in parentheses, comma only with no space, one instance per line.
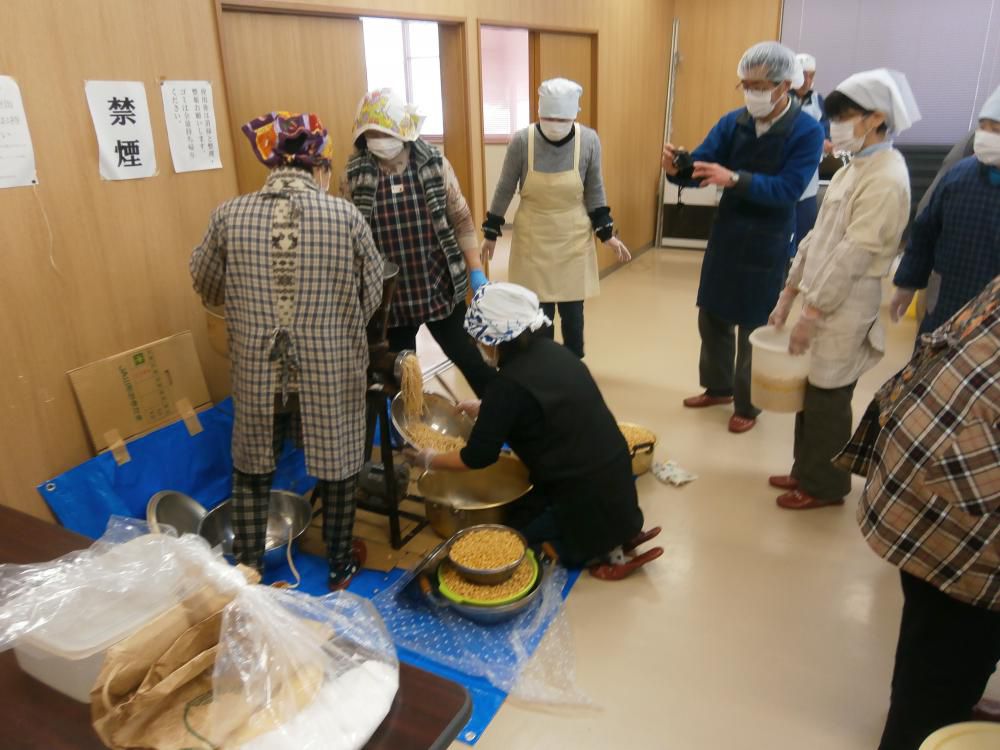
(174,509)
(440,414)
(457,500)
(487,576)
(289,515)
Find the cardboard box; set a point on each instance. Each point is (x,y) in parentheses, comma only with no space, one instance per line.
(136,391)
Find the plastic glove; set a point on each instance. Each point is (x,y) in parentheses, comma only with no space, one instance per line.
(804,331)
(900,303)
(624,256)
(421,459)
(470,407)
(478,279)
(779,315)
(487,249)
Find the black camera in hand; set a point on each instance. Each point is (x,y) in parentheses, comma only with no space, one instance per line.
(682,160)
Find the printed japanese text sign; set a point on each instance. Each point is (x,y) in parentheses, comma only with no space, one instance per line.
(124,135)
(190,113)
(17,157)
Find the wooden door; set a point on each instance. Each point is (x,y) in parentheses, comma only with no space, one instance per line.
(293,63)
(455,102)
(572,56)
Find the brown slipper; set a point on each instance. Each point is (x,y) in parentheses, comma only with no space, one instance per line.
(784,482)
(703,400)
(612,572)
(738,425)
(798,500)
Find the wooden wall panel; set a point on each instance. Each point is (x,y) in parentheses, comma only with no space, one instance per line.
(713,37)
(91,267)
(567,56)
(455,100)
(293,63)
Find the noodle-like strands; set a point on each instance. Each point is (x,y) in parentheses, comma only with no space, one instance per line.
(420,435)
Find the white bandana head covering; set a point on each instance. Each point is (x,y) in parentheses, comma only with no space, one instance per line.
(385,111)
(886,91)
(991,110)
(502,312)
(799,76)
(559,97)
(807,61)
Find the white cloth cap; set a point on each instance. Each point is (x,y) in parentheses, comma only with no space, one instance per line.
(886,91)
(807,61)
(991,110)
(776,59)
(799,76)
(502,312)
(559,97)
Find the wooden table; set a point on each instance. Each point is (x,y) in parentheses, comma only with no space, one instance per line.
(427,714)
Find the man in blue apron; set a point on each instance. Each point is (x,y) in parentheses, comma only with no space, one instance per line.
(762,156)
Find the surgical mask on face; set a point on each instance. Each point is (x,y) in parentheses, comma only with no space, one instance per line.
(385,148)
(986,146)
(843,138)
(555,131)
(758,103)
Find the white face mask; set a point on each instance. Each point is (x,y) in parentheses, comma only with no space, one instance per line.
(759,103)
(986,146)
(843,138)
(555,131)
(385,148)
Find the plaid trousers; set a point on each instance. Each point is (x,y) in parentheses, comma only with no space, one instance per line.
(252,493)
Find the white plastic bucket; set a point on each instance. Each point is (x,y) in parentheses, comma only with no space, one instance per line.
(778,378)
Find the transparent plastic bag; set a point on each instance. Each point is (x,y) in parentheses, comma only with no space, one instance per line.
(530,656)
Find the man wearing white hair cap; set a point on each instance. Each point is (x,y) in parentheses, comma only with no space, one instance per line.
(956,237)
(546,406)
(557,165)
(812,104)
(839,271)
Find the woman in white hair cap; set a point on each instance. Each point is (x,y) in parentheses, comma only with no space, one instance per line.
(557,165)
(546,406)
(839,271)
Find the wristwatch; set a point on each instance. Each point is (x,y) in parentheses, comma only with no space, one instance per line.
(734,179)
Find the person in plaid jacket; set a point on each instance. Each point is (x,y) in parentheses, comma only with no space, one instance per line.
(929,446)
(300,277)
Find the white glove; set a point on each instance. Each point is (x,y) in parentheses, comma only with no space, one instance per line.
(624,256)
(470,407)
(422,459)
(487,249)
(780,313)
(804,331)
(900,303)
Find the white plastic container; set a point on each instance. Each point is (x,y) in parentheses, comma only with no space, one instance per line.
(970,735)
(778,378)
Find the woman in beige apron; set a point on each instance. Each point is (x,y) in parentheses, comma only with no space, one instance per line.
(557,164)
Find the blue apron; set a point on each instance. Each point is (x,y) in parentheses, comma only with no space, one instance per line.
(743,270)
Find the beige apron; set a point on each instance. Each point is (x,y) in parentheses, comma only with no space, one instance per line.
(552,252)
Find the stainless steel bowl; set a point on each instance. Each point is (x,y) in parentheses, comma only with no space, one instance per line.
(440,414)
(487,576)
(174,509)
(289,515)
(458,500)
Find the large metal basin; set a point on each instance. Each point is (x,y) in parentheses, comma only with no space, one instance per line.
(288,515)
(457,500)
(440,414)
(175,509)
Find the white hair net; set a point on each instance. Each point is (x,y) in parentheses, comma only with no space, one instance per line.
(886,91)
(799,76)
(502,312)
(777,61)
(991,110)
(807,61)
(559,97)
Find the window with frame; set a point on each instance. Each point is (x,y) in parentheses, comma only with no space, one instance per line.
(506,104)
(404,56)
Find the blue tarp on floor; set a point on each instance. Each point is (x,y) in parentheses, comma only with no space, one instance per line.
(84,499)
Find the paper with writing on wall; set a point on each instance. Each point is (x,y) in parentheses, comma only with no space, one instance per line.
(190,113)
(124,135)
(17,157)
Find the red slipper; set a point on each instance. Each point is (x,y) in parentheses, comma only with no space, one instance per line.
(784,482)
(359,550)
(739,425)
(641,538)
(798,500)
(703,400)
(611,572)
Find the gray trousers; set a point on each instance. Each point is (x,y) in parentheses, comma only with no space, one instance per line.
(724,365)
(822,429)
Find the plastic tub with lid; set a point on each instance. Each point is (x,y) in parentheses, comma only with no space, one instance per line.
(778,378)
(67,652)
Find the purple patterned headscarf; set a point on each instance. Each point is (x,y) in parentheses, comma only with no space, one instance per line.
(269,136)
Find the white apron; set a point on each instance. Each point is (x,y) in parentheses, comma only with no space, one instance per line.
(850,341)
(552,252)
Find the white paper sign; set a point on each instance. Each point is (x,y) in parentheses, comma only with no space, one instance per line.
(124,136)
(17,158)
(190,112)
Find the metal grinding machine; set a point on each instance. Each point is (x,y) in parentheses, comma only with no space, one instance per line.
(382,486)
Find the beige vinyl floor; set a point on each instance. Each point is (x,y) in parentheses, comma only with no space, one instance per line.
(759,629)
